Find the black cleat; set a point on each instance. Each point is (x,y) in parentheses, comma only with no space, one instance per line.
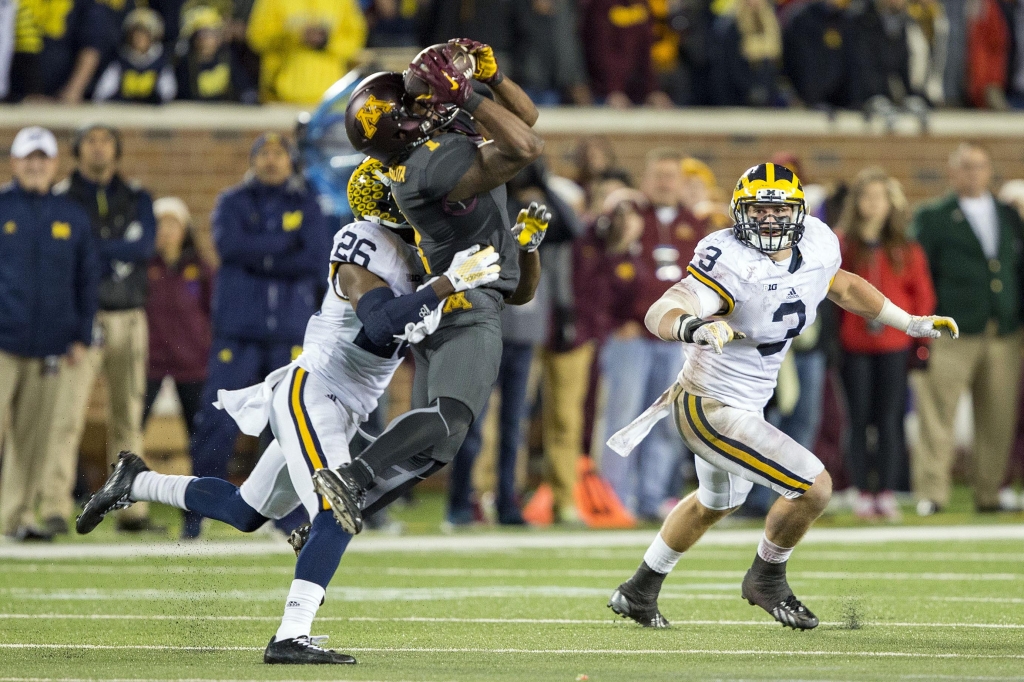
(299,537)
(114,494)
(765,585)
(626,602)
(303,651)
(344,496)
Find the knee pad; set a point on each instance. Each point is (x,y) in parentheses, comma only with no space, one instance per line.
(723,492)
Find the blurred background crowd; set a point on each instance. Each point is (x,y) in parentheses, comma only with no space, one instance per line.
(877,55)
(99,280)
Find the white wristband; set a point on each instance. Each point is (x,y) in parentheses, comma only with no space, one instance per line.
(894,316)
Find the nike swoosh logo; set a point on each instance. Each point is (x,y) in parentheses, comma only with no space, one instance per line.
(455,86)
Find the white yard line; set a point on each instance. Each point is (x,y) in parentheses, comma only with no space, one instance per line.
(478,621)
(574,652)
(629,555)
(691,591)
(503,542)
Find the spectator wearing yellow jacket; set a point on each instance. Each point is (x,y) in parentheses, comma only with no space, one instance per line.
(304,45)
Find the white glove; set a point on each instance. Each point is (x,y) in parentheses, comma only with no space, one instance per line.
(931,326)
(531,226)
(473,267)
(429,320)
(716,334)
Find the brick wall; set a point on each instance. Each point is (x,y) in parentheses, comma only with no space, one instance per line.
(197,164)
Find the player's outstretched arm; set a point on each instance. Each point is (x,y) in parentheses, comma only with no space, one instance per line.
(858,296)
(386,316)
(678,316)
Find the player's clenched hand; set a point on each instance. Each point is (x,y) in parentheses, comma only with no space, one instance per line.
(445,83)
(473,267)
(531,226)
(931,326)
(486,69)
(715,335)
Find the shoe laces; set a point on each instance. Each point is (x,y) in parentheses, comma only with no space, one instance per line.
(793,604)
(313,641)
(123,503)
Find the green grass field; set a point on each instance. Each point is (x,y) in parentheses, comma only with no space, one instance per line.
(520,606)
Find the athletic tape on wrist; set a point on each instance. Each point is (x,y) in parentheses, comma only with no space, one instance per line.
(894,316)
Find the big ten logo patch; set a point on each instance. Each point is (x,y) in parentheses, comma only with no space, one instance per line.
(137,84)
(456,301)
(369,115)
(291,220)
(771,287)
(60,230)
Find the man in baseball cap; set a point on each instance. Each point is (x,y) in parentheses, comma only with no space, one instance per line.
(48,279)
(34,139)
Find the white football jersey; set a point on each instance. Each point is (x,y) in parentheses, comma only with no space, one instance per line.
(336,349)
(769,302)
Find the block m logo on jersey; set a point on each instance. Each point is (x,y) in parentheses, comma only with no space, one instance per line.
(369,115)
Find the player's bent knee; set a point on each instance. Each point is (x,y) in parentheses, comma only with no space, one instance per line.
(820,492)
(242,516)
(456,414)
(709,514)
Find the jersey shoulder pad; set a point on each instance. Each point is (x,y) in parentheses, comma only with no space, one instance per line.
(820,244)
(372,247)
(436,166)
(718,263)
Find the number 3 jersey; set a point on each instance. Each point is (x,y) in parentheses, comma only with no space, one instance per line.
(336,349)
(769,302)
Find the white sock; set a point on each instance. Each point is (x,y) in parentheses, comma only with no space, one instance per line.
(772,553)
(150,486)
(660,557)
(300,609)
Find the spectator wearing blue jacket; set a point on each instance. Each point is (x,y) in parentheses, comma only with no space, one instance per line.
(48,279)
(274,249)
(124,234)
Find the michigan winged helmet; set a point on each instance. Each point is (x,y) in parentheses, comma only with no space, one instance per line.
(770,184)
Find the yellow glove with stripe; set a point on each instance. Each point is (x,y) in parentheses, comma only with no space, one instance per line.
(531,226)
(473,267)
(486,69)
(931,326)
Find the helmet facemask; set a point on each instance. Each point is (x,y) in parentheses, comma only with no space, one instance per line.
(769,234)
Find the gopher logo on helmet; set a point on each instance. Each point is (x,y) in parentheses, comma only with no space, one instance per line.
(369,114)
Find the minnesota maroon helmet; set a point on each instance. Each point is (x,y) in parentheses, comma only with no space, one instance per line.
(380,121)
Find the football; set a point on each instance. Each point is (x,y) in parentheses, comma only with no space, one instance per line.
(463,60)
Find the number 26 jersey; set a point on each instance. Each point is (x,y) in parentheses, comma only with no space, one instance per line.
(336,349)
(772,303)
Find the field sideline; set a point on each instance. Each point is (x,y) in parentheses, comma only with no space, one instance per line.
(896,603)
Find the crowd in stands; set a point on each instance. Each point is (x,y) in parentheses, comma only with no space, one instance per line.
(139,299)
(877,55)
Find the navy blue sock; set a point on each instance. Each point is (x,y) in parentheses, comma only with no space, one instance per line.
(322,552)
(217,499)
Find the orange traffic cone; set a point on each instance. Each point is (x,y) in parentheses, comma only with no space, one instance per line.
(596,502)
(540,510)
